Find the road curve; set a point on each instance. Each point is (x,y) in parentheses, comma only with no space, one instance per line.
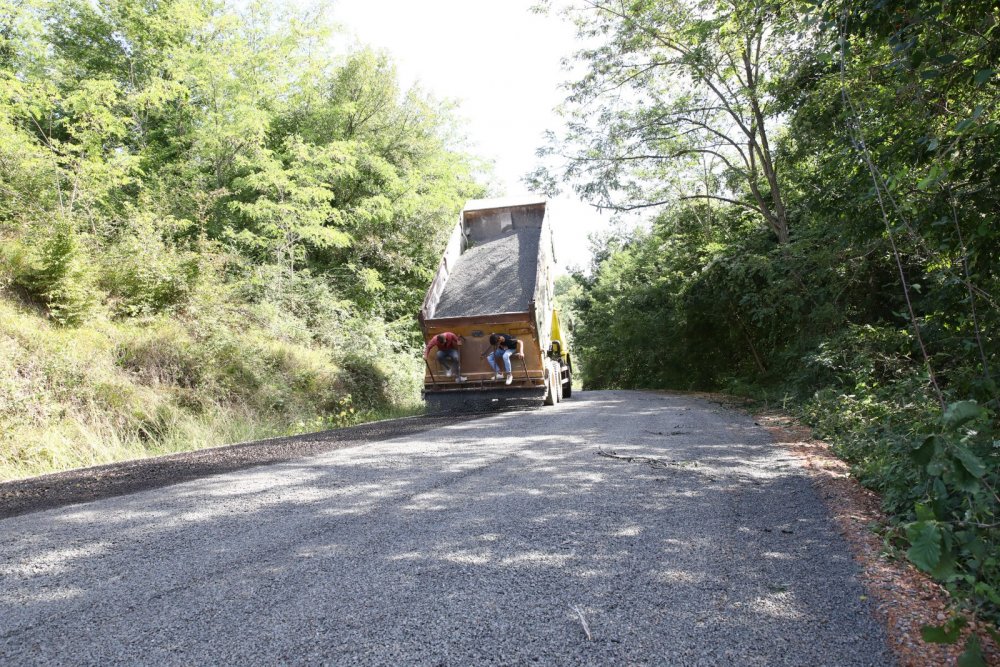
(504,540)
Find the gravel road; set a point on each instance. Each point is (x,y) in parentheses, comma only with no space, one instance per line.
(502,540)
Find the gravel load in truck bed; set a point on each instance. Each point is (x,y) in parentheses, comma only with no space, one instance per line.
(495,277)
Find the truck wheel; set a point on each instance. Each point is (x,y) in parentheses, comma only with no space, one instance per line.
(568,387)
(550,394)
(556,381)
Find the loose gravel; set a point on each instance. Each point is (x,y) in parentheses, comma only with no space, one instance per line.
(497,276)
(492,541)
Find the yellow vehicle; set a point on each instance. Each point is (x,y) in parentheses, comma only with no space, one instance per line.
(496,276)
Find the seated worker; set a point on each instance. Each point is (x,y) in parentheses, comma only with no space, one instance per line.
(448,354)
(504,347)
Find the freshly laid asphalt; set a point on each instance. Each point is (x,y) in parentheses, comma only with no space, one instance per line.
(506,540)
(23,496)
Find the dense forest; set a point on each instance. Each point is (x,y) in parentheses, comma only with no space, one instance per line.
(821,183)
(214,226)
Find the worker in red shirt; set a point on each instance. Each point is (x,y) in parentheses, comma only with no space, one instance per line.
(448,355)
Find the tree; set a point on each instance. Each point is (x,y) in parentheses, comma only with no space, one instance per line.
(676,104)
(201,126)
(877,318)
(398,183)
(285,198)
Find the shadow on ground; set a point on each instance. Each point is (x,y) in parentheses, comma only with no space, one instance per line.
(502,540)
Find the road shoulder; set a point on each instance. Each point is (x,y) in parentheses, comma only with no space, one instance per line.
(59,489)
(905,598)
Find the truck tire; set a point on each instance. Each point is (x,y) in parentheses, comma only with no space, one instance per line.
(550,387)
(556,381)
(568,387)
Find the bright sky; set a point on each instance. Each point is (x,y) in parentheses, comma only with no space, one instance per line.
(502,64)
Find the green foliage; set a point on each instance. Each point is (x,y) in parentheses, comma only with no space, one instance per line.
(62,277)
(395,186)
(147,274)
(235,224)
(286,203)
(955,536)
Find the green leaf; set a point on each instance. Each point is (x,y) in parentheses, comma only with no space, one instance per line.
(961,478)
(933,176)
(923,512)
(945,569)
(925,549)
(982,76)
(923,454)
(969,461)
(961,412)
(972,656)
(941,634)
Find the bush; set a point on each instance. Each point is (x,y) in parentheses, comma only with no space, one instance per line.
(60,274)
(146,277)
(163,353)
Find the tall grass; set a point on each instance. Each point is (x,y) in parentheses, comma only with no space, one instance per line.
(111,390)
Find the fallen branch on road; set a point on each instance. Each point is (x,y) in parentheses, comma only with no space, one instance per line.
(583,622)
(653,463)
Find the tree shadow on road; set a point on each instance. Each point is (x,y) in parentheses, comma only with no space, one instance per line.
(501,540)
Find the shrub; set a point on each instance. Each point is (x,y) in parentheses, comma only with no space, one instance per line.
(149,283)
(60,273)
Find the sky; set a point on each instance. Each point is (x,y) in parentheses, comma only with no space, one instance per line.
(501,63)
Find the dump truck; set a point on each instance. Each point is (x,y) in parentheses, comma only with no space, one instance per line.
(496,276)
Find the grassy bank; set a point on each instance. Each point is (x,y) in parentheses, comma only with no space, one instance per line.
(109,391)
